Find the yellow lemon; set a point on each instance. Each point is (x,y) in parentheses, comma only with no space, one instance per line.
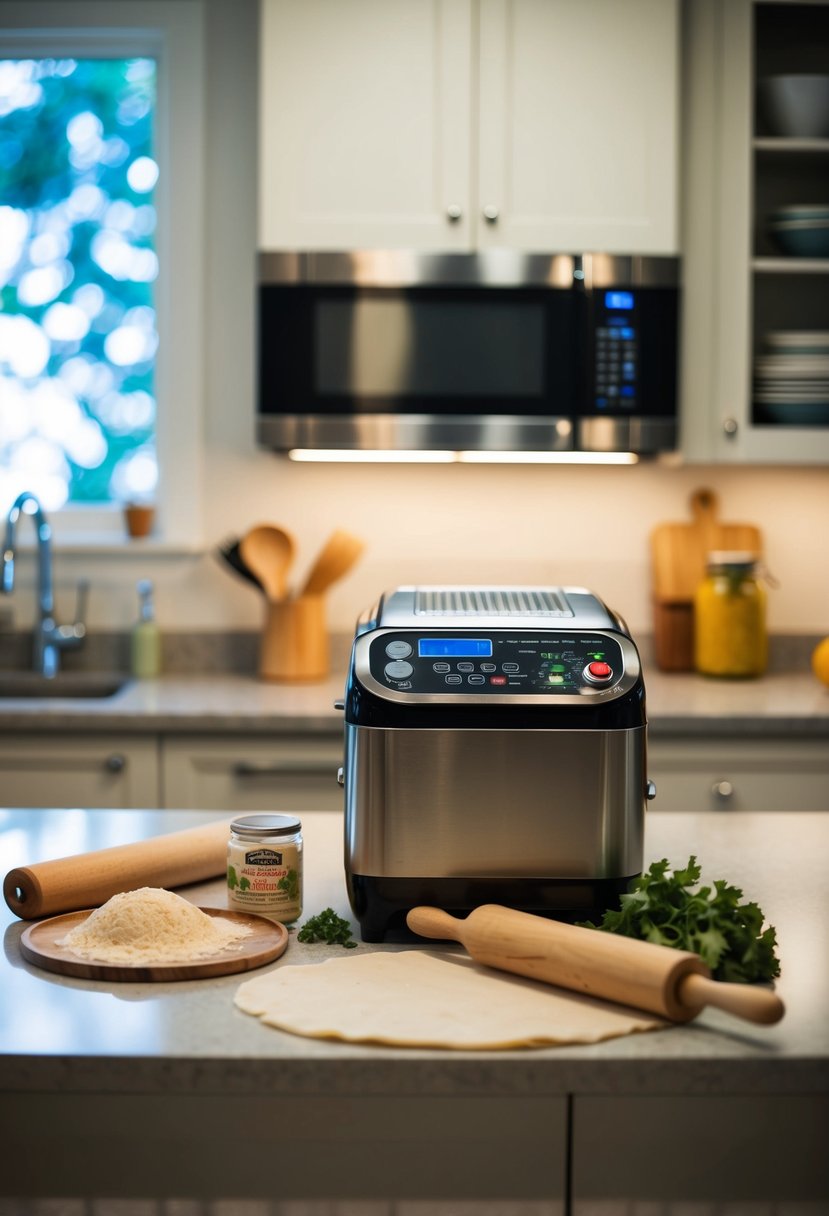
(820,661)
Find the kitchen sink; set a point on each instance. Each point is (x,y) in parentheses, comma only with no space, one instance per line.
(86,684)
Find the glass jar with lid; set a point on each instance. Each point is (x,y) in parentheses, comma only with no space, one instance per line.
(730,636)
(264,866)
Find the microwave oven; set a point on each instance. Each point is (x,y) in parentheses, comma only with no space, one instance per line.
(497,351)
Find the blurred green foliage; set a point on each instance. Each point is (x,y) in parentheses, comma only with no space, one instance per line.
(70,134)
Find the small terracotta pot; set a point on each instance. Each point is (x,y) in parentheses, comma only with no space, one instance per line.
(139,519)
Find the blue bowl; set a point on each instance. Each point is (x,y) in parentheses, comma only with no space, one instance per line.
(799,240)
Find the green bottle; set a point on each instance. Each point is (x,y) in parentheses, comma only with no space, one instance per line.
(146,639)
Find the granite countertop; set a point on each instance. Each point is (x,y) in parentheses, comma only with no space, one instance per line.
(780,703)
(85,1035)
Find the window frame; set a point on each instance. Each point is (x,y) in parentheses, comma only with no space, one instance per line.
(171,32)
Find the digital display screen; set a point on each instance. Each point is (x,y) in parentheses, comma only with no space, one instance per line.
(618,299)
(454,648)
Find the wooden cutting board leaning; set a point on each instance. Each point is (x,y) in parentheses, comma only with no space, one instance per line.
(679,552)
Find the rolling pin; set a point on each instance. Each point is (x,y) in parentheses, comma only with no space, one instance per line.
(88,880)
(673,983)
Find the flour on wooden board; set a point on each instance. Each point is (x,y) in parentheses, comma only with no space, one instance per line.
(151,925)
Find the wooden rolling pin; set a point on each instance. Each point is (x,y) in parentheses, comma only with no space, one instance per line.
(90,879)
(673,983)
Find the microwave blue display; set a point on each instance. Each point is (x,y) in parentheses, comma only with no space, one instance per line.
(618,299)
(454,648)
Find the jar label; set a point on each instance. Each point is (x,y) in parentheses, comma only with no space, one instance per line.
(265,881)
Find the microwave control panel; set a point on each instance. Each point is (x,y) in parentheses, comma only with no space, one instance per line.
(616,355)
(464,663)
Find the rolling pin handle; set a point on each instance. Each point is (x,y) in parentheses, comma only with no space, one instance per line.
(432,922)
(759,1005)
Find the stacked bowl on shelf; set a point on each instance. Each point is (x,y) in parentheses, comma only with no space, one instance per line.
(801,231)
(791,378)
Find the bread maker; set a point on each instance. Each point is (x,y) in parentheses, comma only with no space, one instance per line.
(495,752)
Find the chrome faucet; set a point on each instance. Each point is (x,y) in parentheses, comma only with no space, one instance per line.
(49,638)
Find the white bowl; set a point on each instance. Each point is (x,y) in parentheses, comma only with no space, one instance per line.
(796,106)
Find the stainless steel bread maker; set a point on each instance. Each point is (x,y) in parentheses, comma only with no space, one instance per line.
(495,752)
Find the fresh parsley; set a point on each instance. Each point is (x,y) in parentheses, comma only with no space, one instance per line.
(669,908)
(328,927)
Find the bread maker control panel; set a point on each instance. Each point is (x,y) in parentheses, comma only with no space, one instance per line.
(546,664)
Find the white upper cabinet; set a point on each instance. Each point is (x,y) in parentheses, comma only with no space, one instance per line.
(538,125)
(756,314)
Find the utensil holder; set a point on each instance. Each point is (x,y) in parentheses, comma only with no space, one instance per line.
(295,643)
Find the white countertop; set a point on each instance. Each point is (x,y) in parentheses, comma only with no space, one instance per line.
(91,1036)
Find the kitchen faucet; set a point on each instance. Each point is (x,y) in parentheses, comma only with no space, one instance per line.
(49,638)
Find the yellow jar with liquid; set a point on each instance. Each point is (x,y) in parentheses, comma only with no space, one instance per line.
(730,637)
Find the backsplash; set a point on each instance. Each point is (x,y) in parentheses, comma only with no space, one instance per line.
(237,652)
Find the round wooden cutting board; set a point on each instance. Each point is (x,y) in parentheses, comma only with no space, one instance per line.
(267,941)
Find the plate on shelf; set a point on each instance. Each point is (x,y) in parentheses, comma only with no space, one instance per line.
(802,341)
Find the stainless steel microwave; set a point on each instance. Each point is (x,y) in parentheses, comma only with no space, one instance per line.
(497,351)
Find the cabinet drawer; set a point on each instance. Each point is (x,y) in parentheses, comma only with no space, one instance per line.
(704,775)
(288,773)
(68,770)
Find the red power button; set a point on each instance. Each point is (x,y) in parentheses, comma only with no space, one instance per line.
(598,672)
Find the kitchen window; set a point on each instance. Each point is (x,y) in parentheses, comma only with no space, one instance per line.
(101,221)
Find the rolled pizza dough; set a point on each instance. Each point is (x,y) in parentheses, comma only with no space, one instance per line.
(417,998)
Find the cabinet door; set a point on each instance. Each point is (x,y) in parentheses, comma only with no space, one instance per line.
(742,293)
(578,125)
(69,770)
(287,773)
(365,113)
(710,1155)
(715,774)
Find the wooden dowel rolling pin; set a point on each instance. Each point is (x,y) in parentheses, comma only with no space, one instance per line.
(673,983)
(90,879)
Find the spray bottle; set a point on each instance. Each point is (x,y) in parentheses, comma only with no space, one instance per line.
(146,639)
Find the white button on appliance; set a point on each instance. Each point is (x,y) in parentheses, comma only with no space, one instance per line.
(440,667)
(398,670)
(509,667)
(466,666)
(398,649)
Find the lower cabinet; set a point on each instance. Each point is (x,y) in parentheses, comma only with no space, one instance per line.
(74,770)
(298,772)
(283,773)
(739,775)
(710,1155)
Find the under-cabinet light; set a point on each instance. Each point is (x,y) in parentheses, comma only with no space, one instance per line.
(373,455)
(423,456)
(548,457)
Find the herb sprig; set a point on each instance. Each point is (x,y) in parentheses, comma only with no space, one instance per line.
(328,927)
(667,907)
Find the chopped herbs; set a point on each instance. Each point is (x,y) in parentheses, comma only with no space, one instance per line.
(669,908)
(327,927)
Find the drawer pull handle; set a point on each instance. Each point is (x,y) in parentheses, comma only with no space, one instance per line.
(722,790)
(283,768)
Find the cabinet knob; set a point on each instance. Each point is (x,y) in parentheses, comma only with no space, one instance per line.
(116,763)
(730,427)
(491,213)
(454,212)
(650,791)
(340,776)
(722,791)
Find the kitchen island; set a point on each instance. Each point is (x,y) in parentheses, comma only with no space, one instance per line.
(162,1090)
